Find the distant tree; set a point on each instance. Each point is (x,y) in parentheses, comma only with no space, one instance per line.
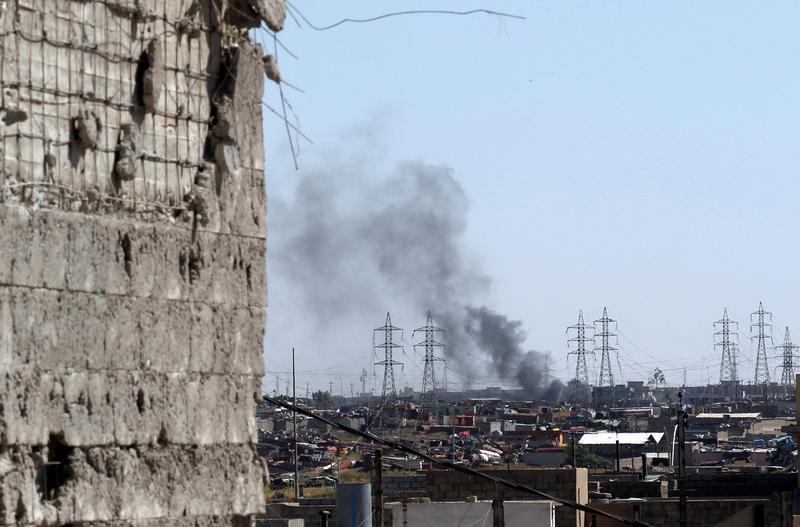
(322,399)
(585,458)
(657,378)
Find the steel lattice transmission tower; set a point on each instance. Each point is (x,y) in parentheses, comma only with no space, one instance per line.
(605,348)
(429,345)
(724,340)
(787,368)
(763,326)
(580,389)
(388,363)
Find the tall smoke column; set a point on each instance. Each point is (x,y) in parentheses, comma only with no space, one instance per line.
(502,340)
(352,243)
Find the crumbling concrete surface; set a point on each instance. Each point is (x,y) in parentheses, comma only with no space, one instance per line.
(132,261)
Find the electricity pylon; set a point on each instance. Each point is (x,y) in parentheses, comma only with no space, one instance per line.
(762,328)
(580,388)
(724,339)
(388,363)
(605,348)
(429,345)
(787,368)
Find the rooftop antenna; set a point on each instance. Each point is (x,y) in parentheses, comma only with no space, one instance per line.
(580,388)
(429,344)
(724,340)
(763,326)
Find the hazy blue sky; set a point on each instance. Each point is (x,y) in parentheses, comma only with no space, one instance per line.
(636,155)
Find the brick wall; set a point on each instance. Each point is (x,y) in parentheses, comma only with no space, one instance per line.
(665,513)
(398,487)
(444,485)
(740,484)
(308,513)
(636,489)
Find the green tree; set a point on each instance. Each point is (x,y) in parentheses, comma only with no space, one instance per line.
(585,458)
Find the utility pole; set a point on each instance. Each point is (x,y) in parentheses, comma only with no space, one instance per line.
(682,505)
(580,388)
(294,429)
(763,326)
(388,363)
(724,340)
(429,344)
(787,368)
(498,515)
(605,348)
(363,379)
(574,450)
(379,487)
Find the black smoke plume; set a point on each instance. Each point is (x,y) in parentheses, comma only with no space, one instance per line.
(502,340)
(352,244)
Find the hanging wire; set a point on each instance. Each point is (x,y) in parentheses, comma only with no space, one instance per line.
(459,467)
(292,7)
(285,119)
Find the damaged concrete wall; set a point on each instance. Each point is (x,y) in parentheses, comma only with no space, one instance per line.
(132,260)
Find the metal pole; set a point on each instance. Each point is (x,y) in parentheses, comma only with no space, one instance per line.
(682,505)
(498,519)
(617,455)
(379,487)
(294,428)
(630,451)
(574,453)
(644,466)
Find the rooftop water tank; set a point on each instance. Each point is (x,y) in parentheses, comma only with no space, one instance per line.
(354,505)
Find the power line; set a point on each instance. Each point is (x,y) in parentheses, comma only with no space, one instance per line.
(459,468)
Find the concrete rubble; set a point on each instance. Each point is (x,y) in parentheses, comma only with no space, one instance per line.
(132,269)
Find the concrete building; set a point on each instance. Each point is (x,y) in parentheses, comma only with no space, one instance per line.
(571,484)
(454,514)
(628,445)
(132,261)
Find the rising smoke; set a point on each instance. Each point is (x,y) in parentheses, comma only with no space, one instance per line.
(353,244)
